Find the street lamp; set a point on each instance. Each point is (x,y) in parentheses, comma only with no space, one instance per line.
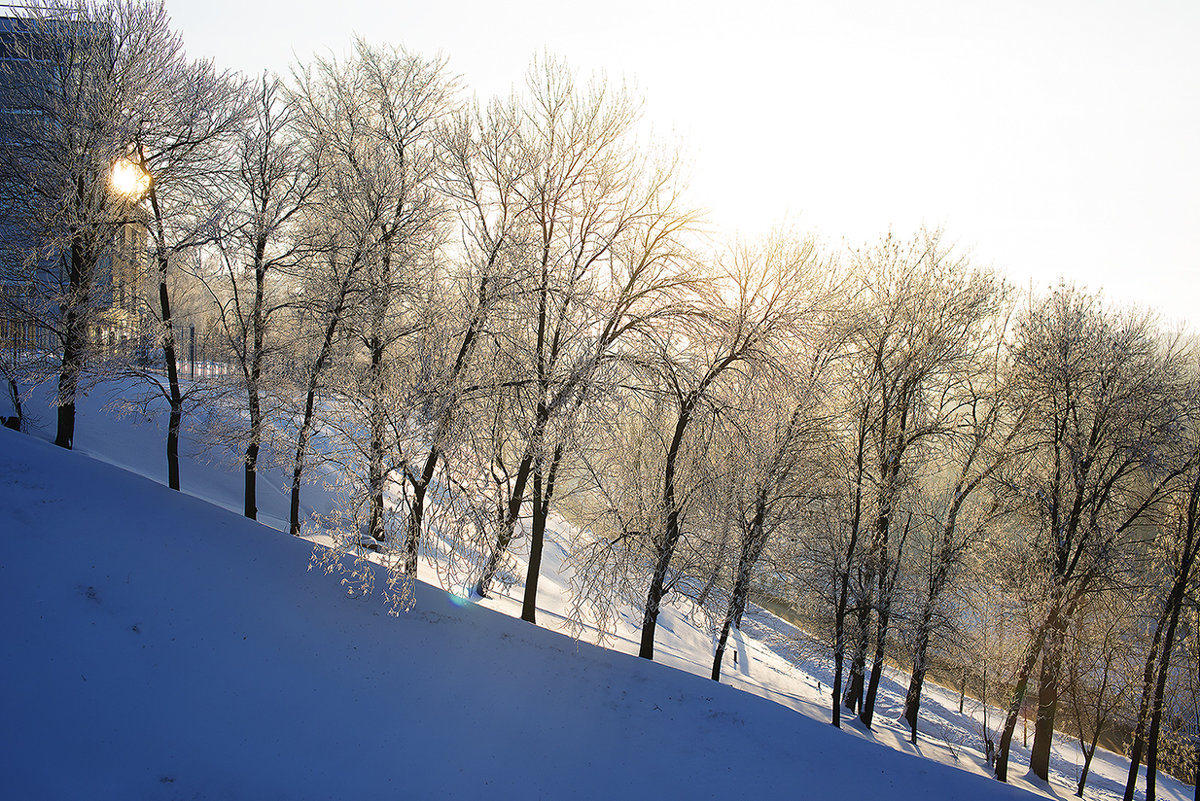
(129,178)
(130,182)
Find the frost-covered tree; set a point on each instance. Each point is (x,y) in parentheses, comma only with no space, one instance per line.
(78,76)
(262,244)
(920,317)
(1173,553)
(179,152)
(372,119)
(776,431)
(957,503)
(1102,392)
(602,257)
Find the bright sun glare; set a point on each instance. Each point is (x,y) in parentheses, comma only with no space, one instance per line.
(129,178)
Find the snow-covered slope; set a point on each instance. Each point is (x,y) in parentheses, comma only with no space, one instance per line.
(161,646)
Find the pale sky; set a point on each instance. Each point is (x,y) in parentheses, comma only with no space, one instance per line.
(1046,138)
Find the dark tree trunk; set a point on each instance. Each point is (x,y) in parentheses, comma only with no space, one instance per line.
(416,513)
(375,451)
(251,509)
(916,682)
(719,657)
(843,599)
(68,383)
(175,396)
(537,539)
(1043,727)
(753,544)
(1088,753)
(174,423)
(412,543)
(1156,708)
(868,707)
(16,422)
(543,494)
(254,379)
(853,697)
(1033,649)
(1175,601)
(507,526)
(310,400)
(1138,746)
(839,657)
(671,535)
(887,585)
(252,448)
(74,345)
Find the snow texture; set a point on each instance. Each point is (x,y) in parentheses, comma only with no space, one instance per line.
(159,646)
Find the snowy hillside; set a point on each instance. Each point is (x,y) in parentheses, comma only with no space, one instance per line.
(159,646)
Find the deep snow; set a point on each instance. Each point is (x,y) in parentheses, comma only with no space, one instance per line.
(159,646)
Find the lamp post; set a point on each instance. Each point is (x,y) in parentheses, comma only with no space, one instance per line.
(130,179)
(130,182)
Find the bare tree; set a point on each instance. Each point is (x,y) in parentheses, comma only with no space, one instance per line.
(373,120)
(260,243)
(778,434)
(604,255)
(1099,674)
(769,297)
(1177,547)
(80,73)
(325,291)
(980,433)
(1102,391)
(922,315)
(178,148)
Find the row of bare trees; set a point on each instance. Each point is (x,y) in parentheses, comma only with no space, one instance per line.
(496,315)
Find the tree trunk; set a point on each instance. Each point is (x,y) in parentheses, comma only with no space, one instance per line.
(251,460)
(751,550)
(881,626)
(1043,727)
(79,276)
(253,380)
(853,698)
(1156,708)
(671,535)
(17,421)
(68,384)
(840,610)
(175,396)
(1088,753)
(543,494)
(74,341)
(252,448)
(1139,733)
(1033,650)
(507,526)
(839,657)
(375,451)
(721,642)
(310,406)
(174,423)
(416,513)
(916,682)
